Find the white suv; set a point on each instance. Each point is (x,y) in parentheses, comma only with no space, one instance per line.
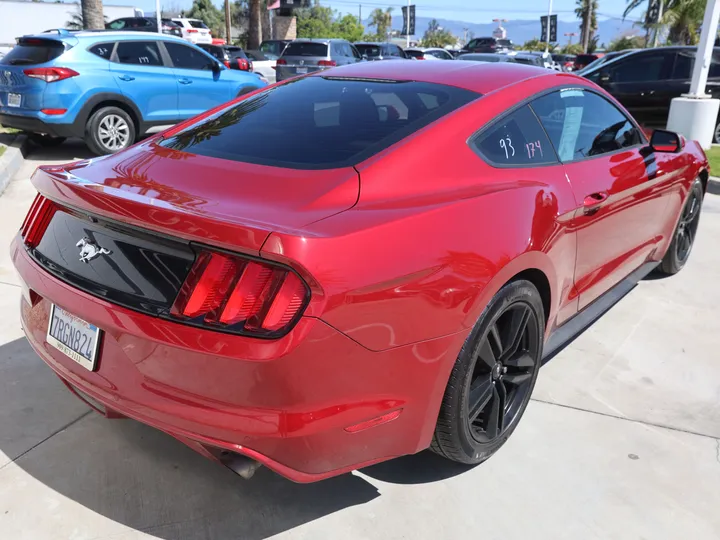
(194,30)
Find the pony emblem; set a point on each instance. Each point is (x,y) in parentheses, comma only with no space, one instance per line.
(90,250)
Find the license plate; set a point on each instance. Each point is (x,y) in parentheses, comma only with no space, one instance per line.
(301,70)
(14,100)
(74,337)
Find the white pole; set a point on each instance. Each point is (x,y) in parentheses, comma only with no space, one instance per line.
(407,37)
(158,16)
(547,35)
(703,57)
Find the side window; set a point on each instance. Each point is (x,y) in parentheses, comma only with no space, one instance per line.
(144,53)
(103,50)
(186,57)
(582,124)
(395,51)
(638,68)
(355,53)
(515,140)
(473,43)
(683,65)
(117,25)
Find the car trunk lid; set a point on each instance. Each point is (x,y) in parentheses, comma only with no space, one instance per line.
(229,204)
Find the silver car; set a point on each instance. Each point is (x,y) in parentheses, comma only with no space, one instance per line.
(308,55)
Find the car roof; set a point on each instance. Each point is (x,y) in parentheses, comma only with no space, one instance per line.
(475,76)
(320,40)
(104,35)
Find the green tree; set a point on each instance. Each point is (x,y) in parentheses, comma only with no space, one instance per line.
(435,36)
(323,22)
(206,11)
(76,21)
(627,42)
(536,45)
(348,28)
(681,18)
(382,21)
(575,48)
(587,9)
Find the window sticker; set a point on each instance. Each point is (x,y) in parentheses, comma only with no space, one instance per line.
(570,132)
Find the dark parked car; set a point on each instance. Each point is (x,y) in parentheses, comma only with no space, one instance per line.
(308,55)
(380,51)
(565,61)
(274,46)
(145,24)
(605,59)
(584,60)
(231,56)
(489,45)
(646,81)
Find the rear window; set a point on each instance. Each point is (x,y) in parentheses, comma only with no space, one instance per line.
(368,50)
(415,54)
(306,49)
(320,122)
(197,24)
(236,52)
(33,51)
(505,42)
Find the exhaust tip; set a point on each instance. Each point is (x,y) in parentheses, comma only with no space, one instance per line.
(243,466)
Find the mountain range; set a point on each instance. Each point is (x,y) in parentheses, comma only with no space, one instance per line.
(521,31)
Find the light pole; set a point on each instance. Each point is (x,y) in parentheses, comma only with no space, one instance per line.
(570,35)
(547,33)
(158,16)
(695,114)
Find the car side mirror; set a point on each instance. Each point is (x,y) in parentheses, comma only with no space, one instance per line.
(665,141)
(216,67)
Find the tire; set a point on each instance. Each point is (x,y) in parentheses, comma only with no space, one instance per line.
(458,436)
(679,250)
(716,133)
(109,130)
(46,140)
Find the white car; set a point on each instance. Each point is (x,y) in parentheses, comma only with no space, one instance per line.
(263,64)
(194,30)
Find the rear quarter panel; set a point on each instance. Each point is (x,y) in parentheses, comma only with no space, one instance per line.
(436,233)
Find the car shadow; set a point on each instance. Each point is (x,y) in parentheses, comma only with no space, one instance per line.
(422,468)
(70,150)
(140,477)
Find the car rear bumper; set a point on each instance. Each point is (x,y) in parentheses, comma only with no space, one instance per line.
(34,124)
(286,403)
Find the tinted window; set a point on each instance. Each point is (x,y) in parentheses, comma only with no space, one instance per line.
(415,54)
(517,139)
(217,52)
(236,52)
(637,68)
(117,25)
(103,50)
(145,53)
(354,52)
(395,51)
(582,124)
(197,24)
(505,43)
(305,49)
(370,51)
(33,51)
(440,54)
(186,57)
(685,60)
(319,123)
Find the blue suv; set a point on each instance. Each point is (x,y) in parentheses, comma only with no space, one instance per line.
(109,88)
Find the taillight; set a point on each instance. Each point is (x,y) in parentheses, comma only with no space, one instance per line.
(192,31)
(327,63)
(236,294)
(281,62)
(52,74)
(242,64)
(37,220)
(227,63)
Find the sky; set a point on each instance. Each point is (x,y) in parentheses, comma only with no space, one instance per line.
(474,11)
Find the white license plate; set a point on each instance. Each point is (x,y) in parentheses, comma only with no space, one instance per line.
(74,337)
(301,70)
(14,100)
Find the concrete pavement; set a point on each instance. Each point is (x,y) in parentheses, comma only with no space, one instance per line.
(620,441)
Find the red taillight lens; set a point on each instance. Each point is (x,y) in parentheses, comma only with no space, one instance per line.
(327,63)
(192,31)
(52,74)
(227,63)
(38,218)
(53,112)
(281,62)
(244,296)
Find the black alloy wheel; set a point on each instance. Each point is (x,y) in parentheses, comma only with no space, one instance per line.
(493,376)
(504,368)
(684,236)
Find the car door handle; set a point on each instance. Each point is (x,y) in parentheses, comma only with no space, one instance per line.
(592,202)
(184,81)
(126,78)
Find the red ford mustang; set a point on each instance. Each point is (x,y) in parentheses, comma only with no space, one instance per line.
(354,265)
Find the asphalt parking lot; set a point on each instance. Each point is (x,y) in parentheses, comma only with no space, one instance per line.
(621,440)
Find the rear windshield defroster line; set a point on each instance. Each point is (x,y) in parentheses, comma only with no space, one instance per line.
(320,122)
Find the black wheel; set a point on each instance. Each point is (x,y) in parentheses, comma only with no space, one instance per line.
(684,236)
(109,130)
(46,140)
(493,377)
(716,134)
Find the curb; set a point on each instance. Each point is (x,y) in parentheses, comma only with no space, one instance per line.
(11,160)
(714,185)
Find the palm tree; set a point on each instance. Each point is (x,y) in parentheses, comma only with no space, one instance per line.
(382,21)
(92,14)
(586,11)
(683,19)
(255,24)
